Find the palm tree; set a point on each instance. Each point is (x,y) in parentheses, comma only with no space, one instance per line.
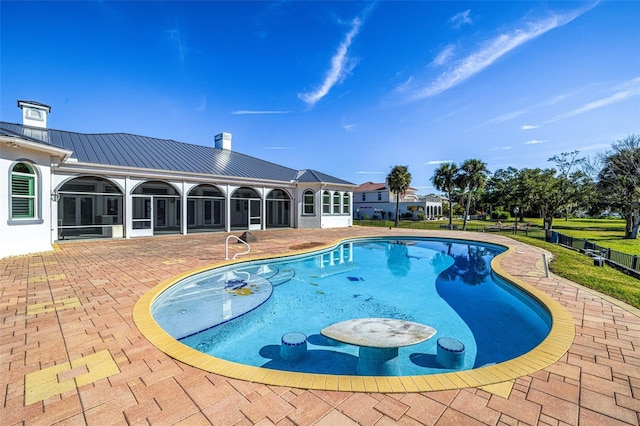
(398,181)
(473,176)
(444,179)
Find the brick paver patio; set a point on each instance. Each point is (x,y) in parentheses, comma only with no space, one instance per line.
(70,352)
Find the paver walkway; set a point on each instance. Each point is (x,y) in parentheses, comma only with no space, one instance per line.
(70,352)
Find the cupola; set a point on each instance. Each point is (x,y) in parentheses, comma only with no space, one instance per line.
(34,114)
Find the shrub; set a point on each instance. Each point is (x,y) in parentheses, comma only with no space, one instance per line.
(500,215)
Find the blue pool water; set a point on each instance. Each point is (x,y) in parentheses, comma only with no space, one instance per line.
(240,313)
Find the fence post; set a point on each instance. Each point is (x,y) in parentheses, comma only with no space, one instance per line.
(634,263)
(609,254)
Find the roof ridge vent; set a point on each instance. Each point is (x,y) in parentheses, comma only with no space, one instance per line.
(34,114)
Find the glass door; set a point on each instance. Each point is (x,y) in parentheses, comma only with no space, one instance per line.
(254,214)
(142,225)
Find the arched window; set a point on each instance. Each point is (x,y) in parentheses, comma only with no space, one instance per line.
(345,203)
(326,202)
(336,203)
(309,202)
(23,192)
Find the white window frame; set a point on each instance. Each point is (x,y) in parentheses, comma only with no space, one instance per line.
(326,202)
(335,202)
(346,205)
(34,195)
(309,205)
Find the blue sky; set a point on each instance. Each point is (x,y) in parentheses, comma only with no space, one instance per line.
(347,88)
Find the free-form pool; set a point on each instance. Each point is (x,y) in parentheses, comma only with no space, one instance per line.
(239,313)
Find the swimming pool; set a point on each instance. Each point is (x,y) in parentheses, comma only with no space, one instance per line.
(240,312)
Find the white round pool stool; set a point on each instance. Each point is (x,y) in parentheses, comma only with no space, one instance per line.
(450,353)
(293,346)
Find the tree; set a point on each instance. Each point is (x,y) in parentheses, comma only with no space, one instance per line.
(472,177)
(444,179)
(398,181)
(567,177)
(501,188)
(552,193)
(619,182)
(542,186)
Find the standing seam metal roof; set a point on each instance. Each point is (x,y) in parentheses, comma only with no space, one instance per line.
(127,150)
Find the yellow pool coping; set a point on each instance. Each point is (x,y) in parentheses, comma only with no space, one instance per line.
(552,348)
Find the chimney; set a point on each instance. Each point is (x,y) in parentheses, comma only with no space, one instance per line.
(34,114)
(223,141)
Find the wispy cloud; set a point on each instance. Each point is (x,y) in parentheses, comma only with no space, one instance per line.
(487,54)
(436,162)
(257,112)
(349,127)
(443,57)
(460,19)
(501,148)
(341,66)
(277,147)
(535,142)
(175,39)
(505,117)
(621,93)
(202,105)
(511,115)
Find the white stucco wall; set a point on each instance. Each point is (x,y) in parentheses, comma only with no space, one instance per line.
(336,221)
(25,236)
(308,220)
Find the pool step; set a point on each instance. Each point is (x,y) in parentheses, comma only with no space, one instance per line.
(283,275)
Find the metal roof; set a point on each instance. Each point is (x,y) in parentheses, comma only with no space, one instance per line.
(34,103)
(127,150)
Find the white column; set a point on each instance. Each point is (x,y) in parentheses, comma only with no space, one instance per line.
(183,207)
(227,209)
(128,208)
(263,209)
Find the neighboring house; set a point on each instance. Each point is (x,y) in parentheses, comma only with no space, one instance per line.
(375,200)
(67,185)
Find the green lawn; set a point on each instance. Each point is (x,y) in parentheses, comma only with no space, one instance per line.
(604,232)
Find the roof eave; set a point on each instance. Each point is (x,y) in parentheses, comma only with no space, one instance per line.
(80,167)
(18,142)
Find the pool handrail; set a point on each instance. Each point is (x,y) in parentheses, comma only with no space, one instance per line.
(240,240)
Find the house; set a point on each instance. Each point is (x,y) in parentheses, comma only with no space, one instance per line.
(65,185)
(375,200)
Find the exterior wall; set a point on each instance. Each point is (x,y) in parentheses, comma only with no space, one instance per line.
(383,196)
(309,220)
(23,236)
(372,196)
(319,219)
(340,219)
